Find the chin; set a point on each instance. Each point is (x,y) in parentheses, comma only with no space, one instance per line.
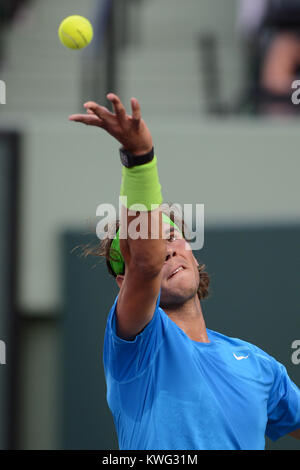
(177,295)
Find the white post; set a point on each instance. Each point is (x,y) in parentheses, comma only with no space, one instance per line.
(2,92)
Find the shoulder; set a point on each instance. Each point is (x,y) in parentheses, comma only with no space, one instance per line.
(244,348)
(240,343)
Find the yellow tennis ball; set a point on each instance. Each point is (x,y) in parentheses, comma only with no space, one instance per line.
(75,32)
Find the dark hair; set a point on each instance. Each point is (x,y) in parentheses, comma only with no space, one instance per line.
(103,249)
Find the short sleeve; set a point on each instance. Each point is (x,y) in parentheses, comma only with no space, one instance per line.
(283,405)
(123,359)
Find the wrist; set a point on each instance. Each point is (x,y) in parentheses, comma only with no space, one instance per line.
(130,160)
(140,184)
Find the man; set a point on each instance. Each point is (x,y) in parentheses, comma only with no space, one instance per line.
(271,30)
(172,383)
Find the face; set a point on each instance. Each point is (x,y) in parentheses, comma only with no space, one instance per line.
(180,275)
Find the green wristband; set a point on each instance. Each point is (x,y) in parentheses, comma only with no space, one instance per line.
(140,184)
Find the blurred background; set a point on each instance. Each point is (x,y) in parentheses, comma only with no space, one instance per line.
(214,82)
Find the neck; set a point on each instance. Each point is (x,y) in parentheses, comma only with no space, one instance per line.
(189,317)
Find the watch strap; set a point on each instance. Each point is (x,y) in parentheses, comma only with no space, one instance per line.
(129,160)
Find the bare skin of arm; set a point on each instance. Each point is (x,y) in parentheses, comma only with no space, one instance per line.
(280,63)
(144,258)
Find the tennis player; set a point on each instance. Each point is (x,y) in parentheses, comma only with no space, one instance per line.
(173,384)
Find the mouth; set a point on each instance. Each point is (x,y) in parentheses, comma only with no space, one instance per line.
(177,270)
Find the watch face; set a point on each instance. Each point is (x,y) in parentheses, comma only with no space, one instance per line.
(124,159)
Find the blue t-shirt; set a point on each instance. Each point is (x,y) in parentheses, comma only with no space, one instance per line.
(168,392)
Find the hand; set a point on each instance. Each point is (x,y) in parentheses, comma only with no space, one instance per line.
(130,131)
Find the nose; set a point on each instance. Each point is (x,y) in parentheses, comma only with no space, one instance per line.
(170,252)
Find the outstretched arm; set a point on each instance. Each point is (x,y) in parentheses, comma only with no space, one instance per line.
(144,258)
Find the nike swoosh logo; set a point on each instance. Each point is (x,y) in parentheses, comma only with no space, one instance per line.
(238,358)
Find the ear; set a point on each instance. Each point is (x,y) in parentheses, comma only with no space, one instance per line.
(119,280)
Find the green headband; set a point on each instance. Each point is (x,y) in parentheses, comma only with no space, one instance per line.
(117,261)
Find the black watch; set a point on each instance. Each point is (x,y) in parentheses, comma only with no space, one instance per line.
(130,160)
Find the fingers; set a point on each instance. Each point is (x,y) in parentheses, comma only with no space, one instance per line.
(136,110)
(100,116)
(89,119)
(118,106)
(100,111)
(93,115)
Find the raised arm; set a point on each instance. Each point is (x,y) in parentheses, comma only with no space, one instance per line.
(144,258)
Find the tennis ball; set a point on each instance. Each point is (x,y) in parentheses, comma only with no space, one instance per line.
(75,32)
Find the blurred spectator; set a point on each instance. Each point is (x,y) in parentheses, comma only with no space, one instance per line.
(8,8)
(250,16)
(271,29)
(8,12)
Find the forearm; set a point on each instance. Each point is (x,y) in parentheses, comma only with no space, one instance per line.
(141,230)
(146,253)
